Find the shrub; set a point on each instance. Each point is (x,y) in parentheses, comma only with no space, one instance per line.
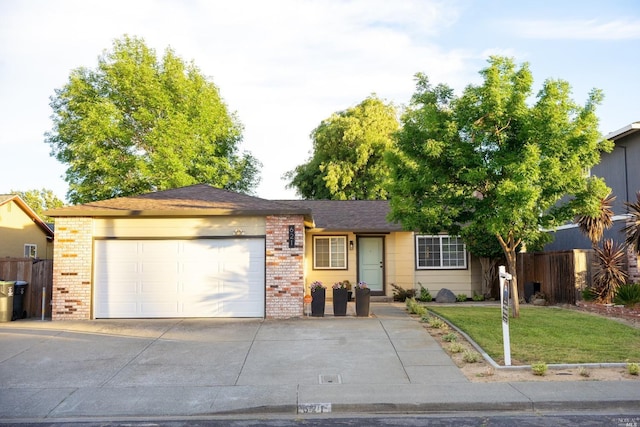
(420,310)
(488,372)
(436,322)
(461,297)
(455,347)
(415,308)
(628,295)
(539,369)
(425,295)
(402,294)
(584,372)
(450,337)
(633,368)
(477,297)
(588,294)
(470,356)
(412,304)
(610,274)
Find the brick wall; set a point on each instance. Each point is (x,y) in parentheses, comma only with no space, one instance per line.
(72,255)
(285,267)
(632,262)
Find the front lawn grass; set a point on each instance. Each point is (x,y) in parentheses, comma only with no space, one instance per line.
(547,334)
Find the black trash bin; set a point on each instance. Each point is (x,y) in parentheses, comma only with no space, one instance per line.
(19,291)
(6,300)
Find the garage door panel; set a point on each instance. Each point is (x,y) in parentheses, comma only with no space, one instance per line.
(180,278)
(159,309)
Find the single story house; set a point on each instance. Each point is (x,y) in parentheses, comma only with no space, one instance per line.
(23,234)
(199,251)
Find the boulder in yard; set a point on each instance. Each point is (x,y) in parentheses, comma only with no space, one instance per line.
(445,296)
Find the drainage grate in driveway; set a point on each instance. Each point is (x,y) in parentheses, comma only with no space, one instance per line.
(330,379)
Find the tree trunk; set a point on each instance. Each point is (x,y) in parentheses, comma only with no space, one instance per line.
(488,274)
(515,297)
(509,247)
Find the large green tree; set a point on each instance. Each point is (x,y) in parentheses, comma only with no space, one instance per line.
(348,154)
(139,123)
(490,160)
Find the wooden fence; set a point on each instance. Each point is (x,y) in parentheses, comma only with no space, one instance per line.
(38,274)
(560,276)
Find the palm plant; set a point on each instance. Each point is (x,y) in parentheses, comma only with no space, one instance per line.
(610,274)
(632,229)
(593,226)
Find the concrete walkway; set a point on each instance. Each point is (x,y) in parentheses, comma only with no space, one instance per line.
(386,363)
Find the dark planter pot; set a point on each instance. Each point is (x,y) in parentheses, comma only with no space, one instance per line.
(349,295)
(363,298)
(317,302)
(340,297)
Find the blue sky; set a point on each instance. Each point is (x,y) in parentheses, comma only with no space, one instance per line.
(285,65)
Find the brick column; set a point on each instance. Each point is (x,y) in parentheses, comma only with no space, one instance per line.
(285,267)
(632,266)
(72,258)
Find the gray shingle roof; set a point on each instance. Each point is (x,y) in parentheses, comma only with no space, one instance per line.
(349,215)
(203,200)
(197,199)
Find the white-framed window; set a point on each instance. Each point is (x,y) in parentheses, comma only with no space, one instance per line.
(330,252)
(30,250)
(440,252)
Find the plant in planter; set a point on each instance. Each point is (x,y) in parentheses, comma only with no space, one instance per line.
(347,284)
(340,297)
(318,295)
(363,299)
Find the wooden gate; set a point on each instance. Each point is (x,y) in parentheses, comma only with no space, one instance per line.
(560,275)
(38,274)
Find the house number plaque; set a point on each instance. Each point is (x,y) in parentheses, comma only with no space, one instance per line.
(292,236)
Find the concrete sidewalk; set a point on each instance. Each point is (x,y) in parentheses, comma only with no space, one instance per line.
(386,363)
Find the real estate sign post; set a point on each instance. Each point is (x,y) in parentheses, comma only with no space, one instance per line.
(505,283)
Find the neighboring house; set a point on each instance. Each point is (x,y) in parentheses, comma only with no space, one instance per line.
(621,172)
(22,233)
(199,251)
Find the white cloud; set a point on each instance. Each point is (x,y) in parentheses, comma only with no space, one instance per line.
(282,65)
(578,29)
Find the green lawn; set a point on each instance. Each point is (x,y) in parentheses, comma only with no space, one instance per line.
(547,334)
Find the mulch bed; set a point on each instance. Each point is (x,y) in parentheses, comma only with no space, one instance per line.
(629,314)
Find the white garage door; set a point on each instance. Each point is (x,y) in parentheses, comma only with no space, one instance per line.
(179,278)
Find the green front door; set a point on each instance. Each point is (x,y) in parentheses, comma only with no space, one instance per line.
(371,263)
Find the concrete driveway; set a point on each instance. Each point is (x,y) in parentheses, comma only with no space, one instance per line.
(185,367)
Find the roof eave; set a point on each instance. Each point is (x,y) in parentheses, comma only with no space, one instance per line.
(357,230)
(58,213)
(33,215)
(625,131)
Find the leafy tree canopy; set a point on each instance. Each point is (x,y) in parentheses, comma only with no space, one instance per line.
(138,123)
(490,161)
(40,201)
(348,154)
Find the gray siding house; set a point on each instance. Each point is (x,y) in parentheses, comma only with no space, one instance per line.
(621,171)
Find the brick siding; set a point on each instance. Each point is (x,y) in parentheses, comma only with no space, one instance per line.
(632,263)
(72,257)
(285,267)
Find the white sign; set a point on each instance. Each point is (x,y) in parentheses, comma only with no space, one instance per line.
(505,283)
(314,408)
